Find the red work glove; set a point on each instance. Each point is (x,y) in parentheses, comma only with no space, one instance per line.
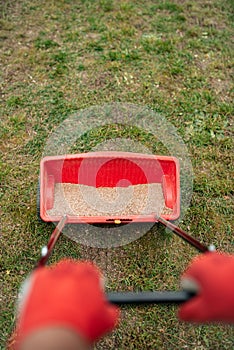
(213,274)
(69,295)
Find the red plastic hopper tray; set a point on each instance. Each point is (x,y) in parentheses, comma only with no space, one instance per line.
(108,169)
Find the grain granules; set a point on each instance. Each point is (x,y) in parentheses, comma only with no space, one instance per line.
(83,200)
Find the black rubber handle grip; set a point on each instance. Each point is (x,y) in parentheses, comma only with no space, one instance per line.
(157,297)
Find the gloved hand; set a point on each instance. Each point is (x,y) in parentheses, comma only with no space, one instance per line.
(213,276)
(67,294)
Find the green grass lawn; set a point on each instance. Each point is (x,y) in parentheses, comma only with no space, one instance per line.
(174,57)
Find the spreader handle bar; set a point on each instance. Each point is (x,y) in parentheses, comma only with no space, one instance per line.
(52,241)
(185,236)
(157,297)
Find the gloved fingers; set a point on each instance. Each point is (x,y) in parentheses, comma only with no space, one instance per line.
(213,273)
(80,269)
(193,311)
(199,269)
(194,268)
(24,292)
(110,318)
